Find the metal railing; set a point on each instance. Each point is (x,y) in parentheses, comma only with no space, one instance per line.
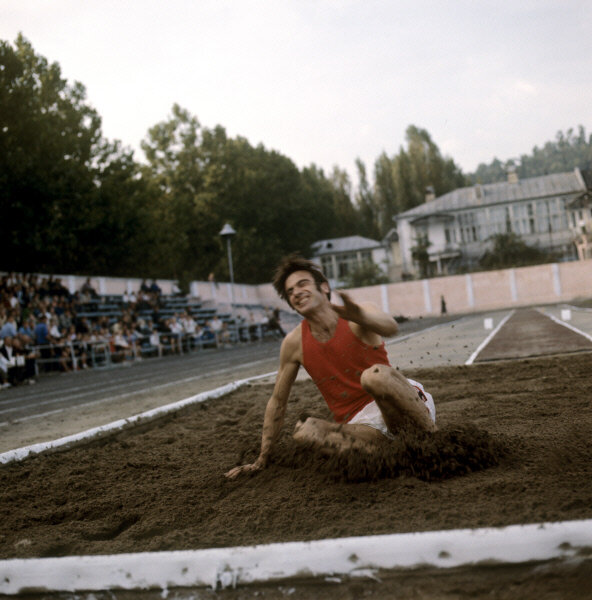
(105,353)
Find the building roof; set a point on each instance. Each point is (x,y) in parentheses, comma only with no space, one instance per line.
(351,243)
(494,193)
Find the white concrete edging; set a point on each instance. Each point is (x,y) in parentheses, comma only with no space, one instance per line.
(353,556)
(121,424)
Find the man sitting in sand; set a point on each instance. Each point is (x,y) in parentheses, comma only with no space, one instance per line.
(342,349)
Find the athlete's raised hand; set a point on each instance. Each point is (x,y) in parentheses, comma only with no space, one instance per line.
(351,311)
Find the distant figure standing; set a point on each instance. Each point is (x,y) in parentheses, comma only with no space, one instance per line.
(274,323)
(442,305)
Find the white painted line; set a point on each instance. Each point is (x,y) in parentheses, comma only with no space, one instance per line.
(560,322)
(227,567)
(120,424)
(486,341)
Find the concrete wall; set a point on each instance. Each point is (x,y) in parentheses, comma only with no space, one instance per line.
(489,290)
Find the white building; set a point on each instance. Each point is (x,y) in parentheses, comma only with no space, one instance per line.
(545,211)
(338,257)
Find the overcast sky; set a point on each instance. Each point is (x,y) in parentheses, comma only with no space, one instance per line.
(327,81)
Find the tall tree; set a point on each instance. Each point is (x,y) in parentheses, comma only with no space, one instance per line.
(47,135)
(370,216)
(387,196)
(346,218)
(71,200)
(401,181)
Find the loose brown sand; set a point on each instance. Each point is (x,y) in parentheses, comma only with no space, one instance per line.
(513,447)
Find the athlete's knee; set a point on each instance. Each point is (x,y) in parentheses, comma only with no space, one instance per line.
(374,378)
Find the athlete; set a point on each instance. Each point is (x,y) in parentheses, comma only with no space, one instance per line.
(342,349)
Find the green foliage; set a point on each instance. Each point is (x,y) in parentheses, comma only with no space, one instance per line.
(568,151)
(70,201)
(509,250)
(46,139)
(401,180)
(363,275)
(207,179)
(420,255)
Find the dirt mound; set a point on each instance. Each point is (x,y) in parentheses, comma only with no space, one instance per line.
(447,453)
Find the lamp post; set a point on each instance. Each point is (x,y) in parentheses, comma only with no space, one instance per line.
(227,232)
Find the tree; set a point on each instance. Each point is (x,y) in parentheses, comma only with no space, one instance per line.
(401,180)
(510,250)
(206,179)
(71,200)
(568,151)
(362,275)
(47,136)
(366,205)
(421,256)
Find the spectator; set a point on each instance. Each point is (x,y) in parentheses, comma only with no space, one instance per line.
(273,323)
(254,328)
(10,327)
(155,289)
(41,333)
(26,358)
(6,362)
(120,345)
(81,347)
(154,340)
(208,338)
(189,325)
(65,319)
(129,299)
(216,328)
(224,335)
(55,333)
(176,334)
(26,332)
(88,289)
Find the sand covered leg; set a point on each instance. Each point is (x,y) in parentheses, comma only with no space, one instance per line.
(400,403)
(334,437)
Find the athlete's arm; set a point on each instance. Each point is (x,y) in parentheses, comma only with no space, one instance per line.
(276,405)
(367,316)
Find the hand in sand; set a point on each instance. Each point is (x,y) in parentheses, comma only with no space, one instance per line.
(258,465)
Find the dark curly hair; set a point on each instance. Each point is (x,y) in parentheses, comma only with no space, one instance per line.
(292,263)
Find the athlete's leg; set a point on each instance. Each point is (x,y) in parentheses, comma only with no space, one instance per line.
(336,438)
(400,403)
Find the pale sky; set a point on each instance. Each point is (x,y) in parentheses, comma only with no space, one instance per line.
(327,81)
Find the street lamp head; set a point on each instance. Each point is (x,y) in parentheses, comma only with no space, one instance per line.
(227,231)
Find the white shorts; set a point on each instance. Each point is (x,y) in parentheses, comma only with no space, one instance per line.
(370,415)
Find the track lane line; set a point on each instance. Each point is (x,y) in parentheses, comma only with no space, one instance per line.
(488,339)
(560,322)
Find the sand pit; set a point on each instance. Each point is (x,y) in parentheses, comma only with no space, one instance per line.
(513,448)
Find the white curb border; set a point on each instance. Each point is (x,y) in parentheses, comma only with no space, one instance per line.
(145,417)
(353,556)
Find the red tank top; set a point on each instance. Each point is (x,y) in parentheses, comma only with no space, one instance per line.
(336,367)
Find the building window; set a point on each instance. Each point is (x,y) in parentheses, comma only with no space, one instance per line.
(327,266)
(346,264)
(508,216)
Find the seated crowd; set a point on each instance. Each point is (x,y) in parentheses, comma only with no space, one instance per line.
(43,327)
